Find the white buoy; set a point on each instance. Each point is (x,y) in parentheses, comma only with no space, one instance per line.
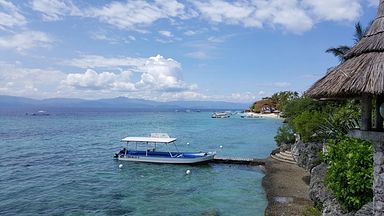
(221,146)
(187,143)
(188,172)
(121,166)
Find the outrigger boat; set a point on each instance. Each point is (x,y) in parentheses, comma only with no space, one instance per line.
(151,155)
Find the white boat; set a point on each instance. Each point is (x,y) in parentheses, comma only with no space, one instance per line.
(221,115)
(250,115)
(41,113)
(151,155)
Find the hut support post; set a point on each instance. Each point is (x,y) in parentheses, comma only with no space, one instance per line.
(379,118)
(366,112)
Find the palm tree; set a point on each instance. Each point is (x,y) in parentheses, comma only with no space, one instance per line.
(340,51)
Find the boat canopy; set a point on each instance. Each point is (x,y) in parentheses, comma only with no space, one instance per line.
(149,139)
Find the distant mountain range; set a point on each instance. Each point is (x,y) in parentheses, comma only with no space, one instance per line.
(7,102)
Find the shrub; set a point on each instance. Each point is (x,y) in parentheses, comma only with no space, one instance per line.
(342,119)
(284,135)
(296,106)
(349,174)
(308,125)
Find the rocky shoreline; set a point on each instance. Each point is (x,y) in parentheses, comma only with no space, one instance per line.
(295,188)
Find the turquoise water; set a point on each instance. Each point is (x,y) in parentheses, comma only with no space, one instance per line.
(62,165)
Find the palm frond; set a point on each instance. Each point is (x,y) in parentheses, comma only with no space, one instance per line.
(338,51)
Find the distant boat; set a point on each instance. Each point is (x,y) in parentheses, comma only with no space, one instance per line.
(250,115)
(151,155)
(221,115)
(41,113)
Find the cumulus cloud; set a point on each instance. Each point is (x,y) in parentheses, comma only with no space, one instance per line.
(10,15)
(96,81)
(53,10)
(156,74)
(28,82)
(155,78)
(26,40)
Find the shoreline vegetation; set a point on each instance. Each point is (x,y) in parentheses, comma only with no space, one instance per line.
(331,173)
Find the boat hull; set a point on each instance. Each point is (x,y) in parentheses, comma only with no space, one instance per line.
(169,160)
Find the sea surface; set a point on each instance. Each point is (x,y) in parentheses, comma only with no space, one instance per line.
(63,164)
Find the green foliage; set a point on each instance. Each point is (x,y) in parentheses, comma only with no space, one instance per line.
(308,125)
(342,119)
(296,106)
(280,99)
(284,135)
(311,211)
(349,174)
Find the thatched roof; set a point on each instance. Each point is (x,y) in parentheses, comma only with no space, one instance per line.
(363,69)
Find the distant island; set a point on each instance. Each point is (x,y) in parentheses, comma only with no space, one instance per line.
(120,103)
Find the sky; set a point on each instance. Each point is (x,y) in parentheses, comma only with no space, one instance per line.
(165,50)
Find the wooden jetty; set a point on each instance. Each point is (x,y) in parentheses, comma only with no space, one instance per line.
(239,160)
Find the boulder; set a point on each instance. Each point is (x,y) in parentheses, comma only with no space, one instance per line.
(307,155)
(318,192)
(285,147)
(366,210)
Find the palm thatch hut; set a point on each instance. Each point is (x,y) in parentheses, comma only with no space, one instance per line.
(362,75)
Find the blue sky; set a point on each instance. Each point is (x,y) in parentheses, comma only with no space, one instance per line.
(239,50)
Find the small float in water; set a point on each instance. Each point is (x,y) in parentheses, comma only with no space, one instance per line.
(151,155)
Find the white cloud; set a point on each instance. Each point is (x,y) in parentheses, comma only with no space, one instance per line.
(295,16)
(156,74)
(292,15)
(334,10)
(53,10)
(156,78)
(133,14)
(10,15)
(28,82)
(96,81)
(166,33)
(26,40)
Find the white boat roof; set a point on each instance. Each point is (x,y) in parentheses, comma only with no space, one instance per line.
(149,139)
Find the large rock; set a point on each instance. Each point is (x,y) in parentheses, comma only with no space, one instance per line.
(285,147)
(321,195)
(366,210)
(333,208)
(307,155)
(318,192)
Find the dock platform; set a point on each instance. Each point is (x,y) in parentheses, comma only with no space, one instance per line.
(239,160)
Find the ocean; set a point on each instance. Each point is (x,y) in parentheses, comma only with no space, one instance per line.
(62,164)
